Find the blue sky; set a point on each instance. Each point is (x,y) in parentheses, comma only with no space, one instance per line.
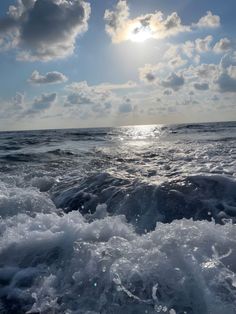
(106,63)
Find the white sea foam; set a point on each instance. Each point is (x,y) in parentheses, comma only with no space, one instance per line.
(67,265)
(14,200)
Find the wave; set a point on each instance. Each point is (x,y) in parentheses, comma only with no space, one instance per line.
(198,197)
(53,264)
(39,157)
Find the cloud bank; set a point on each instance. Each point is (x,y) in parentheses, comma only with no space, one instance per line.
(120,27)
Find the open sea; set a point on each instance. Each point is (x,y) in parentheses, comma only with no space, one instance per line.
(128,220)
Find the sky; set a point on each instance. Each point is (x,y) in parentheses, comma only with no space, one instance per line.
(95,63)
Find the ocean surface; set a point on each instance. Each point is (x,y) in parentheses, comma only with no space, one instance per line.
(119,220)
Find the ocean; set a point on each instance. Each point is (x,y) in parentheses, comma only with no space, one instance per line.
(132,220)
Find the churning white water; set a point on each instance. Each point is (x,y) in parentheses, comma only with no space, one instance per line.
(127,220)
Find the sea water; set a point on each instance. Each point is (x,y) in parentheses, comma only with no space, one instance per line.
(119,220)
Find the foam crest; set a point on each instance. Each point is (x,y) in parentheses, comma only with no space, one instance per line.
(67,265)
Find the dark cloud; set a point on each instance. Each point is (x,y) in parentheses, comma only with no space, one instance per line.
(201,86)
(126,107)
(226,80)
(174,81)
(44,101)
(226,83)
(150,77)
(78,99)
(167,92)
(49,78)
(40,104)
(45,29)
(81,94)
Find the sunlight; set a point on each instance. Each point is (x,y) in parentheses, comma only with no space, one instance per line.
(140,34)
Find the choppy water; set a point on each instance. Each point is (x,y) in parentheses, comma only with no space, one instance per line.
(119,220)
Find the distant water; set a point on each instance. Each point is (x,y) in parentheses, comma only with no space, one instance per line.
(119,220)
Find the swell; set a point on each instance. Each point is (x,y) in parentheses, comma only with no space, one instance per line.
(38,157)
(198,197)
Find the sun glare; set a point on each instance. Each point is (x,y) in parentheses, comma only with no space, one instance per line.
(140,34)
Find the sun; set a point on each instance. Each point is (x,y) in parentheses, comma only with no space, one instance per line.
(140,34)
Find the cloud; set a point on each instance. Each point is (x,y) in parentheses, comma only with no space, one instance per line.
(49,78)
(120,27)
(228,60)
(203,71)
(78,99)
(220,76)
(190,49)
(83,94)
(126,107)
(148,73)
(201,86)
(12,108)
(203,44)
(226,83)
(43,102)
(19,108)
(122,86)
(208,21)
(174,81)
(176,62)
(19,100)
(167,92)
(226,80)
(223,45)
(44,29)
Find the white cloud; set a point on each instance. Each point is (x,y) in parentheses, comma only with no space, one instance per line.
(177,62)
(122,86)
(44,29)
(49,78)
(81,94)
(223,45)
(18,108)
(120,27)
(220,76)
(209,21)
(226,80)
(227,60)
(97,101)
(149,73)
(203,44)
